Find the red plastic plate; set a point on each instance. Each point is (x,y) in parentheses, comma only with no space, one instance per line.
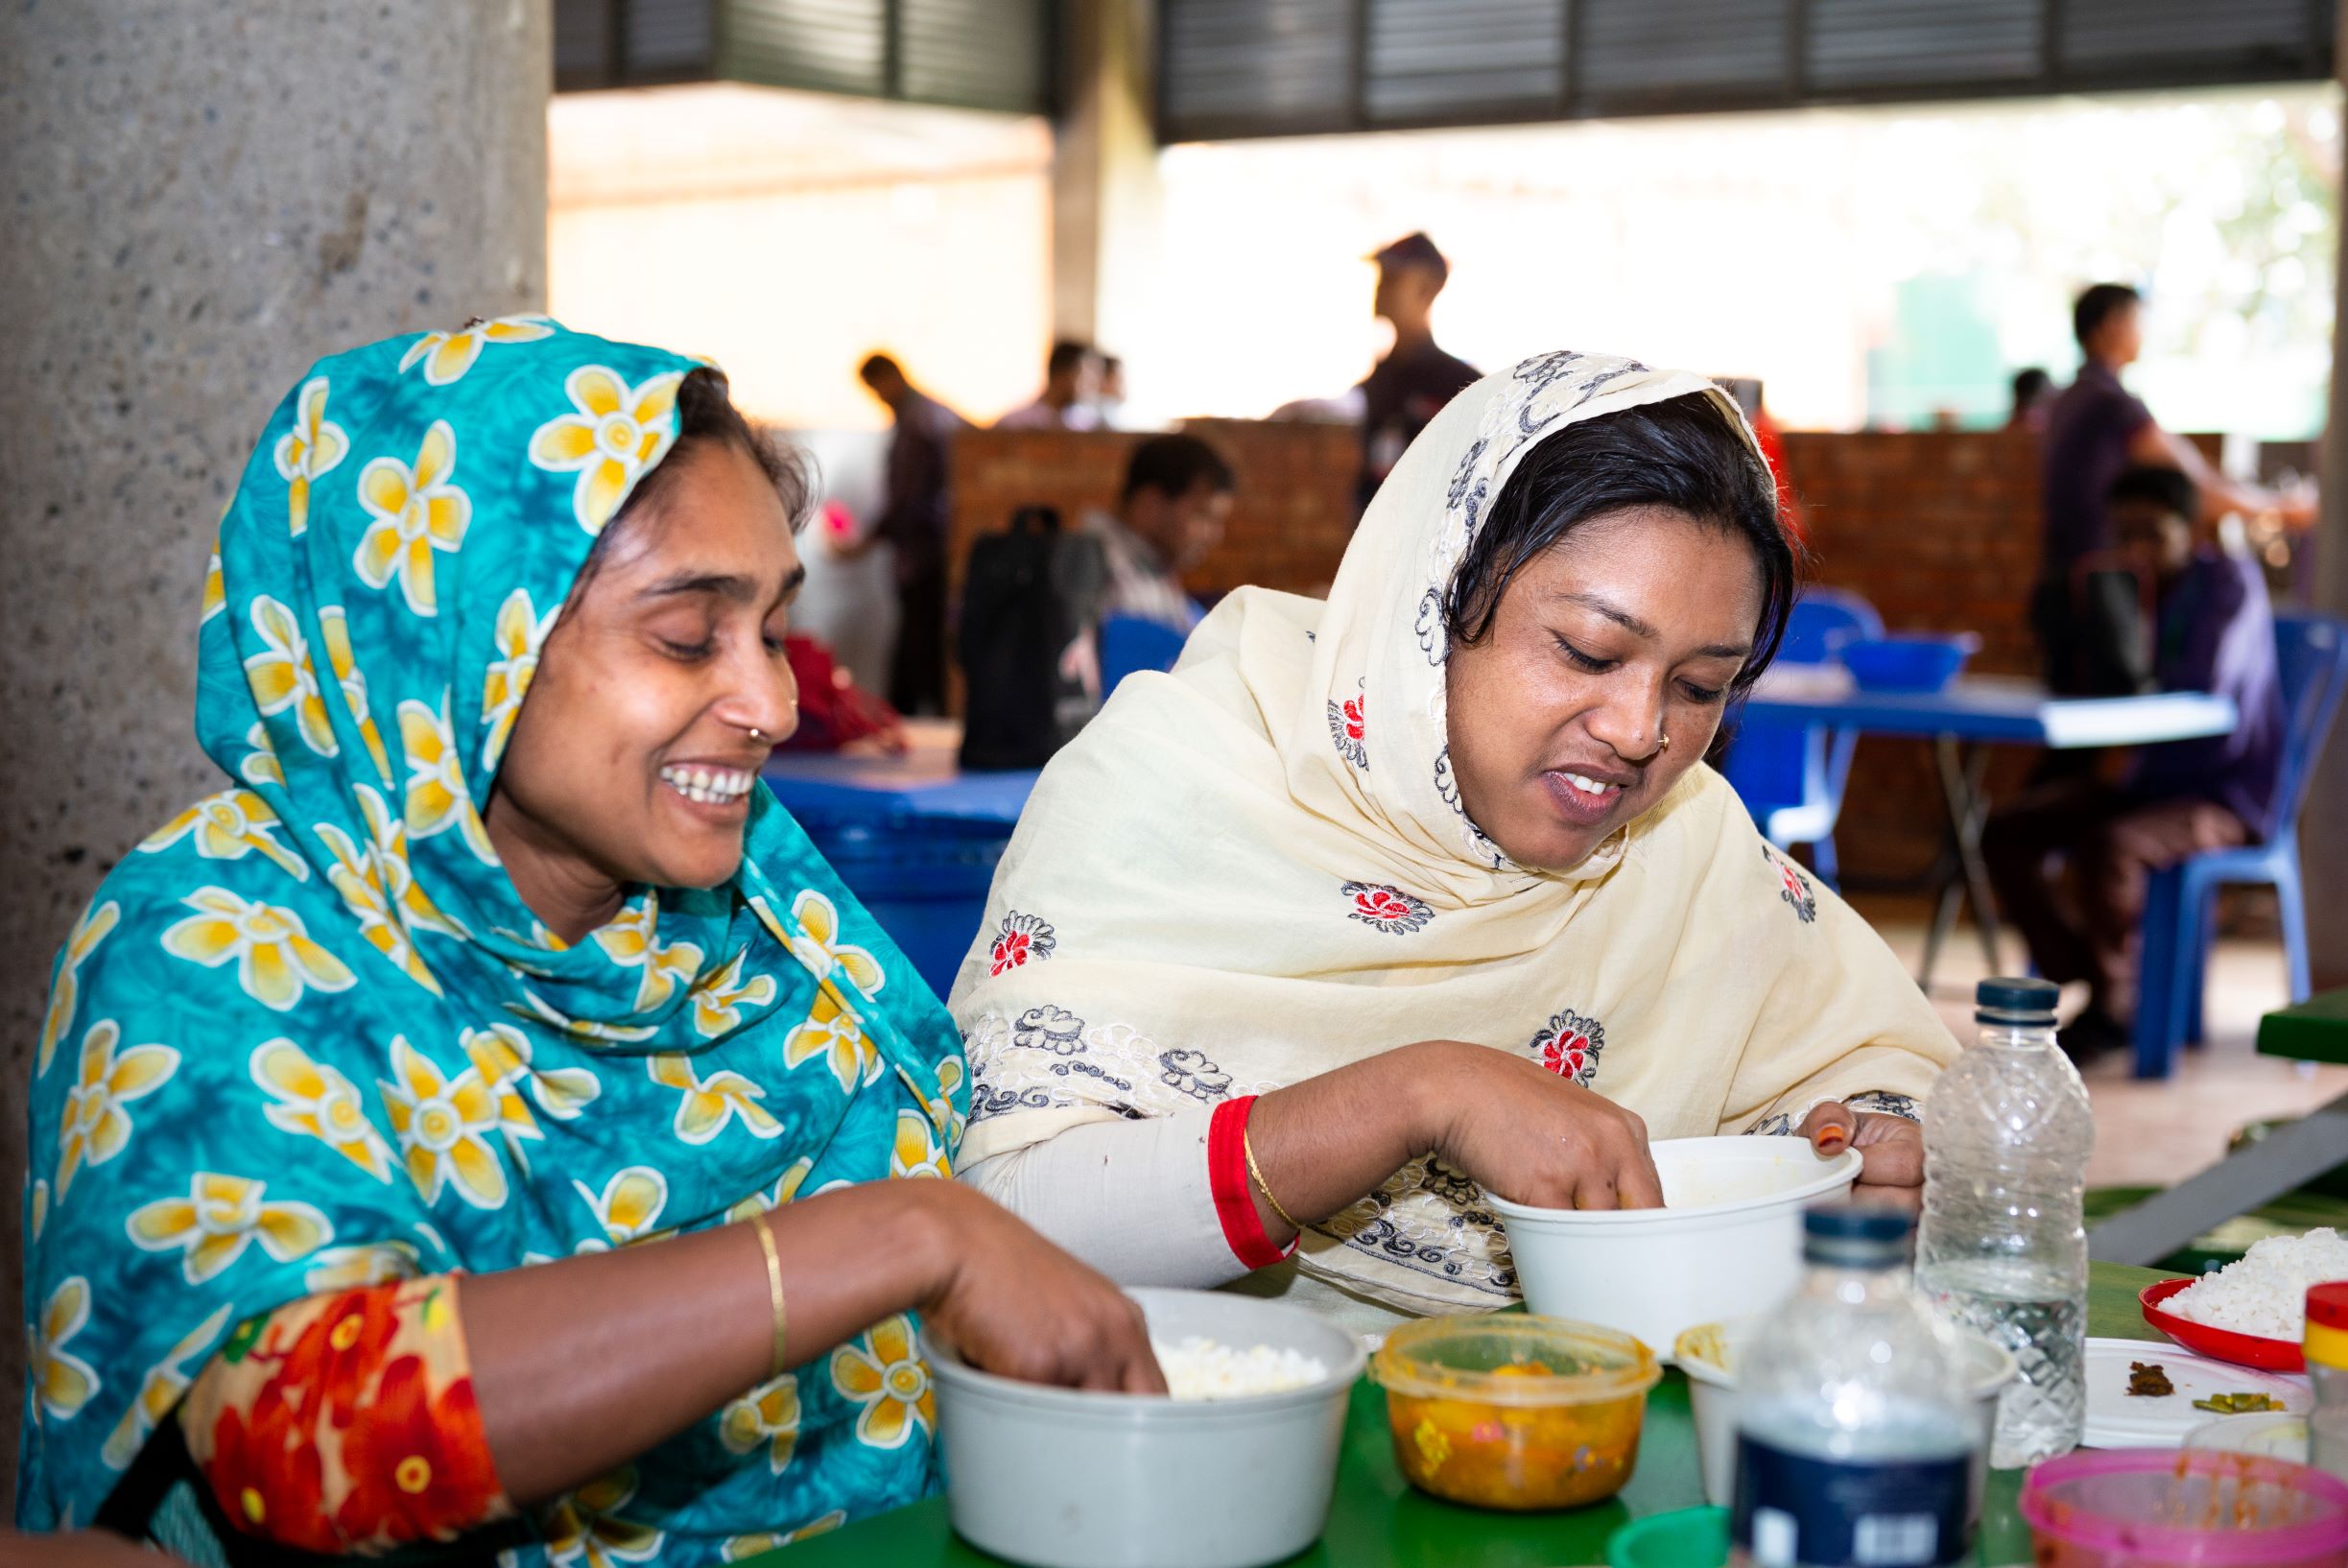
(2223,1344)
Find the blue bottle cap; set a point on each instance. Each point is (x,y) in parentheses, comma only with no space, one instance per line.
(2025,1002)
(1856,1236)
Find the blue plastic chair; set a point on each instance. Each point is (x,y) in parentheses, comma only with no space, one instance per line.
(2312,654)
(1129,643)
(1790,775)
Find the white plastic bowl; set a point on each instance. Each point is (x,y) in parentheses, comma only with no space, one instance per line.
(1060,1478)
(1728,1241)
(1709,1354)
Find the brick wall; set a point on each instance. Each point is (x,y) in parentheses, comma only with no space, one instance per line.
(1939,531)
(1290,519)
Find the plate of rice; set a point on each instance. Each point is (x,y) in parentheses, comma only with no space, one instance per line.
(2253,1312)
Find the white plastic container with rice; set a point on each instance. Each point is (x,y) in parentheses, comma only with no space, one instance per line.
(1727,1242)
(1236,1469)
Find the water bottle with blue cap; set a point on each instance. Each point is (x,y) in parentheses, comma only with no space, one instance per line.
(2002,1248)
(1854,1444)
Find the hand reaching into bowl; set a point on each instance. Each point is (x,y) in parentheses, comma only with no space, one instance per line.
(1508,1124)
(1013,1303)
(1891,1150)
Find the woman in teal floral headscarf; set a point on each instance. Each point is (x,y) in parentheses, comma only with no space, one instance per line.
(360,1077)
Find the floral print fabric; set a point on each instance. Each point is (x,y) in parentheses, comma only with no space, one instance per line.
(307,1039)
(346,1422)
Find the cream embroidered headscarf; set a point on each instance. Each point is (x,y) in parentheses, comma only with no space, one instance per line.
(1257,869)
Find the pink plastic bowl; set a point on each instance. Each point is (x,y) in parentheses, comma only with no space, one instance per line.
(2166,1507)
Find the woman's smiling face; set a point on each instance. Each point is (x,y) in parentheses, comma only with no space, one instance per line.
(659,696)
(1629,629)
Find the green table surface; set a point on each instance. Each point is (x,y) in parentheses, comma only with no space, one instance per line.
(1377,1521)
(2317,1030)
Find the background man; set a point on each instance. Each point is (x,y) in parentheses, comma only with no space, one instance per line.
(2095,429)
(2212,631)
(913,520)
(1416,378)
(1178,497)
(1072,384)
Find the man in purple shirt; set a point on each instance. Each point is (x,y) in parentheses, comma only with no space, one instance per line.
(2212,631)
(2095,429)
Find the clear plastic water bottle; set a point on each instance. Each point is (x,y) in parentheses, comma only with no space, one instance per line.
(2002,1249)
(1854,1444)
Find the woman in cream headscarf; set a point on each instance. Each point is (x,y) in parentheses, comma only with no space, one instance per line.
(1461,801)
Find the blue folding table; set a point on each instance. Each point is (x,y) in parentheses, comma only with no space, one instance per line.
(1962,722)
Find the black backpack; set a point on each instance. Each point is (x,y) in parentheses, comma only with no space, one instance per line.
(1029,640)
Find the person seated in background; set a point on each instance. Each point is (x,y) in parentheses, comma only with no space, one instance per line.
(2212,631)
(1416,378)
(2033,391)
(361,1077)
(1178,497)
(1072,383)
(1376,904)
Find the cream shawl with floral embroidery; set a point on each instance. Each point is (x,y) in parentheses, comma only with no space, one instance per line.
(1257,869)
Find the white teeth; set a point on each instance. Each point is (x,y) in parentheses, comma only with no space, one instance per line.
(706,786)
(1589,786)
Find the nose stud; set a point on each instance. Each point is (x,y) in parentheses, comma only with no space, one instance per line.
(1663,742)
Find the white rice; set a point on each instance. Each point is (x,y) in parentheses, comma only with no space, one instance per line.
(1201,1368)
(2265,1292)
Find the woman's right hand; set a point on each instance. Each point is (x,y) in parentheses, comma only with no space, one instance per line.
(1012,1303)
(1525,1134)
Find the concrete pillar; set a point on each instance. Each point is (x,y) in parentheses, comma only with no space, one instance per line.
(196,200)
(2324,844)
(1104,185)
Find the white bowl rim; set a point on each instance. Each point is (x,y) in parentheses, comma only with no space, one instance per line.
(946,1366)
(1840,1171)
(1713,1375)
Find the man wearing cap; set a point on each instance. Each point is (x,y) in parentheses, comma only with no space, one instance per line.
(1416,378)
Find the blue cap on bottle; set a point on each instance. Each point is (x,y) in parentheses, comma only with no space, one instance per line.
(1856,1236)
(2015,1002)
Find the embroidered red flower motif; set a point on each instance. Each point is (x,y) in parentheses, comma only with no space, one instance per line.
(1569,1047)
(1794,888)
(1019,938)
(339,1354)
(1389,909)
(1347,726)
(264,1472)
(419,1467)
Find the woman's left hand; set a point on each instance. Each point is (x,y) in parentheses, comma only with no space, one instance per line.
(1891,1148)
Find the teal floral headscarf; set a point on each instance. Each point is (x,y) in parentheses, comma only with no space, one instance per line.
(307,1035)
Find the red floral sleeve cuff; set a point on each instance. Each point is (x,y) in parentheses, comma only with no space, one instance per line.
(344,1423)
(1227,1179)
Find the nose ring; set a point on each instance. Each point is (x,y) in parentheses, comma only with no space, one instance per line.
(1663,742)
(757,734)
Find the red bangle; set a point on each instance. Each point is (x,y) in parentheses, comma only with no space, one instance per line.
(1226,1169)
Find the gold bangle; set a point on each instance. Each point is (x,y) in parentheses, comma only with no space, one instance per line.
(1247,1147)
(775,1294)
